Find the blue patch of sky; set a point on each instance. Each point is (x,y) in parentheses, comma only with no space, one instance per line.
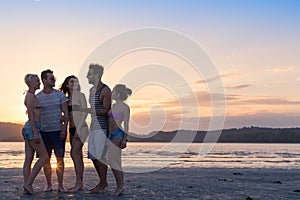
(248,21)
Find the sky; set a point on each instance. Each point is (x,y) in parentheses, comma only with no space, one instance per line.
(253,45)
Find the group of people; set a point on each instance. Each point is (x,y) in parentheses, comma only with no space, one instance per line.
(51,112)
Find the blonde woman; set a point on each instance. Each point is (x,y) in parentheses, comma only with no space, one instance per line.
(119,114)
(31,135)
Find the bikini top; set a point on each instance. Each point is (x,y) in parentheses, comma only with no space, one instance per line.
(74,108)
(115,115)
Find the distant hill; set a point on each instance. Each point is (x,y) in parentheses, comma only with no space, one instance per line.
(242,135)
(11,132)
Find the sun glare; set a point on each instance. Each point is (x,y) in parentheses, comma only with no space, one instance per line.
(53,163)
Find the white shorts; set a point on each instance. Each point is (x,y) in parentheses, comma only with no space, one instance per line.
(97,148)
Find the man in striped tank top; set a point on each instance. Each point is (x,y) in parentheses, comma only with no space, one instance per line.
(100,101)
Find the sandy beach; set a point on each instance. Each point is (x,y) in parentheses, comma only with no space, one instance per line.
(170,183)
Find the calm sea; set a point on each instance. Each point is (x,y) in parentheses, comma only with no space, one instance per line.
(143,157)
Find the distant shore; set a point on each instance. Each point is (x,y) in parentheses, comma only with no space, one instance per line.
(170,183)
(10,132)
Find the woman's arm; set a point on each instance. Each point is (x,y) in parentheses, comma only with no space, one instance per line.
(83,115)
(126,115)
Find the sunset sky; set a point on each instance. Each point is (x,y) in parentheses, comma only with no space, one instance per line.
(255,46)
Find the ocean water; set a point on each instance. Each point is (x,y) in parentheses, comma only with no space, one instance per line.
(144,157)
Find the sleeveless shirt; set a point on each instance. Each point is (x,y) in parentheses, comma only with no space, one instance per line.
(98,122)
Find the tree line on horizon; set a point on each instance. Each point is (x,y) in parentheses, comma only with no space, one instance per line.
(11,132)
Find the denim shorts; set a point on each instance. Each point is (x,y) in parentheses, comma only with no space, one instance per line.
(27,131)
(116,134)
(53,141)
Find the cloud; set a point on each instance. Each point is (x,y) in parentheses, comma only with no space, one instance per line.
(264,119)
(237,87)
(259,100)
(212,79)
(281,70)
(242,110)
(204,100)
(261,119)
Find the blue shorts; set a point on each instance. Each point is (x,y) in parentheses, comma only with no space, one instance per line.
(27,131)
(116,134)
(52,141)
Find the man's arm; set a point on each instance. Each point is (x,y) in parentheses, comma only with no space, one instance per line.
(105,97)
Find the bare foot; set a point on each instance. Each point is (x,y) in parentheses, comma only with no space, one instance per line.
(77,187)
(61,189)
(118,192)
(71,188)
(48,188)
(98,189)
(95,188)
(25,191)
(102,190)
(28,190)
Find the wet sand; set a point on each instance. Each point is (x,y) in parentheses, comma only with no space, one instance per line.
(169,183)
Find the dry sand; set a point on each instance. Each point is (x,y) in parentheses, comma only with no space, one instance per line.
(169,183)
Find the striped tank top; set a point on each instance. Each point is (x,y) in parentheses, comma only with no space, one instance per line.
(98,122)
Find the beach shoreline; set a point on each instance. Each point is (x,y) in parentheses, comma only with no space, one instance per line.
(169,183)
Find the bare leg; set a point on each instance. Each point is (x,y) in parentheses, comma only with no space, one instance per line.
(119,176)
(60,173)
(29,153)
(48,172)
(103,175)
(116,165)
(101,170)
(96,165)
(43,156)
(77,157)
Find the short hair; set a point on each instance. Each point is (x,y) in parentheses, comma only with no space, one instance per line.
(28,78)
(98,69)
(44,73)
(123,91)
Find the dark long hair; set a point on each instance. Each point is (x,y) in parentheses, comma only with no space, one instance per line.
(64,87)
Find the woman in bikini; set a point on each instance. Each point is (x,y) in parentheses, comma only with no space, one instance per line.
(118,114)
(78,128)
(32,136)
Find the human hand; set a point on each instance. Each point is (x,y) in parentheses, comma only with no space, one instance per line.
(37,139)
(123,143)
(62,119)
(76,137)
(87,110)
(63,135)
